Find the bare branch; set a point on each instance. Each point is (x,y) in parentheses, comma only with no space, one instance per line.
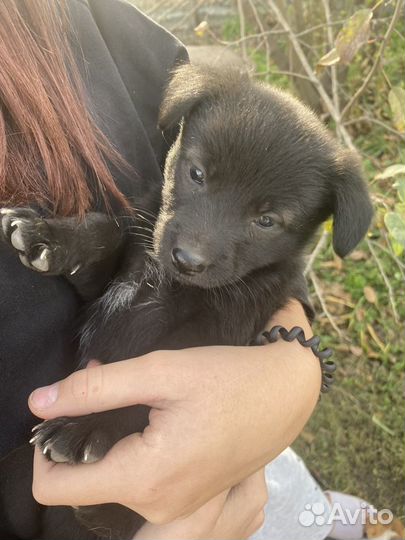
(333,72)
(377,122)
(378,59)
(242,26)
(274,31)
(281,72)
(316,251)
(311,74)
(386,280)
(319,294)
(266,41)
(189,14)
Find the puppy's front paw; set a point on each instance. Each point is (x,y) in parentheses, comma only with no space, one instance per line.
(29,235)
(71,440)
(33,239)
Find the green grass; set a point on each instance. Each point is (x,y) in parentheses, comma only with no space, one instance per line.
(355,440)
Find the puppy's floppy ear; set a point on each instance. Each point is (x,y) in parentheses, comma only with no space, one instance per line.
(352,209)
(186,88)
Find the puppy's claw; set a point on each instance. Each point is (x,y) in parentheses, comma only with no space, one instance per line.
(16,237)
(34,439)
(88,457)
(37,426)
(75,269)
(42,263)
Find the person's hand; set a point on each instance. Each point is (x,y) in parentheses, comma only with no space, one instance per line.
(233,514)
(218,415)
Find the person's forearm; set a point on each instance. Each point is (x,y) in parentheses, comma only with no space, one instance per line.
(293,376)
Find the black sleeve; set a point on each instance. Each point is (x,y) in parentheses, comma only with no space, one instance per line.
(144,54)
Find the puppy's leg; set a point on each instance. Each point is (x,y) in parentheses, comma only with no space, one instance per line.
(84,251)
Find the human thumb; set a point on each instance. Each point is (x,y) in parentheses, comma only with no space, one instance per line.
(140,380)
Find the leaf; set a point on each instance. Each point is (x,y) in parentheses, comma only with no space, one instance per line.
(356,351)
(328,226)
(396,99)
(400,185)
(398,248)
(201,29)
(358,255)
(391,171)
(395,224)
(353,35)
(370,294)
(329,59)
(381,425)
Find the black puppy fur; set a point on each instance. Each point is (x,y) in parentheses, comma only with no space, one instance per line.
(249,179)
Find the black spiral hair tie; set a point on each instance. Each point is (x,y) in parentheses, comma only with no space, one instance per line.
(328,366)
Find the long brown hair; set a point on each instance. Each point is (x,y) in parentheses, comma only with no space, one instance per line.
(51,151)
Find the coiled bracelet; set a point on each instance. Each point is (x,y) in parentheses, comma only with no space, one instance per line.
(328,366)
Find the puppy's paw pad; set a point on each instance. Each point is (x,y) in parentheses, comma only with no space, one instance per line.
(70,440)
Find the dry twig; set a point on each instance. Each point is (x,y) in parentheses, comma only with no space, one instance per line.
(318,291)
(386,280)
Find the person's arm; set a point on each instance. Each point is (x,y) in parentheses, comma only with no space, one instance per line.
(218,415)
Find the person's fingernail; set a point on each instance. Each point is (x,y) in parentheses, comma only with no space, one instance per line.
(44,397)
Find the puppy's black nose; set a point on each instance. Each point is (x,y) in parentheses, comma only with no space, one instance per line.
(188,262)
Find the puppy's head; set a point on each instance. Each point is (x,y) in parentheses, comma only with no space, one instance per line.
(252,174)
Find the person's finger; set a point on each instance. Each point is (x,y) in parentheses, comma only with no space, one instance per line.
(140,381)
(93,363)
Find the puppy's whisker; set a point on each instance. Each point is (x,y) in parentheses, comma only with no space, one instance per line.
(141,212)
(143,218)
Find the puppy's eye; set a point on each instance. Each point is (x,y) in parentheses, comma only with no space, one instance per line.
(196,175)
(265,221)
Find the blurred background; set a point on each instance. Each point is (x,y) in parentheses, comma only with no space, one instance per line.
(346,60)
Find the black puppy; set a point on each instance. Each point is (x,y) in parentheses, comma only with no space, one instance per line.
(249,179)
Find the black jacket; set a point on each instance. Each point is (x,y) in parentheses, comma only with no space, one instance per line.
(125,60)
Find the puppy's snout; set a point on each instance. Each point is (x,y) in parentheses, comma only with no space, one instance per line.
(188,262)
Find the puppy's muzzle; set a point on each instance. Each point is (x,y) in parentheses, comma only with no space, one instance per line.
(188,262)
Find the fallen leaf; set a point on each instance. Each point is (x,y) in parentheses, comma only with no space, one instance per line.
(358,255)
(356,351)
(375,337)
(370,294)
(308,437)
